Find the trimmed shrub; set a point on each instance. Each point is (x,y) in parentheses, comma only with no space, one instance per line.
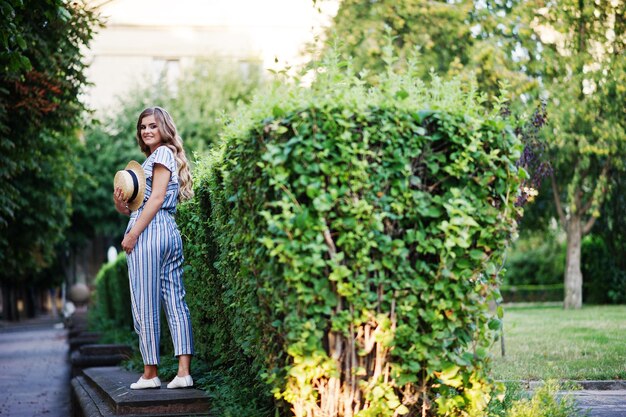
(532,293)
(233,379)
(534,269)
(604,281)
(112,311)
(345,242)
(537,259)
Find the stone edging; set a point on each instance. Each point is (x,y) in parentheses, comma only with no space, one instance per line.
(609,385)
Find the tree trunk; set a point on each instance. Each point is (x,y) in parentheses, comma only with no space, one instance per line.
(573,274)
(31,306)
(9,303)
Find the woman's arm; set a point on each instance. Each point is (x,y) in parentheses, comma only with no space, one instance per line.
(160,178)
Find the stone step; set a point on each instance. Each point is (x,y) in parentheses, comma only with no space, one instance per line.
(89,356)
(104,391)
(106,349)
(85,338)
(80,361)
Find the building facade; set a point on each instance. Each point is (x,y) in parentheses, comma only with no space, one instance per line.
(143,39)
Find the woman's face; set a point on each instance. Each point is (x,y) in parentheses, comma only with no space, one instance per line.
(150,133)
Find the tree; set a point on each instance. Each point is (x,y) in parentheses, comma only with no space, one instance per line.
(450,38)
(569,51)
(584,76)
(42,62)
(208,91)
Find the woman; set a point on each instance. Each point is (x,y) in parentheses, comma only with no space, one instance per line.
(154,250)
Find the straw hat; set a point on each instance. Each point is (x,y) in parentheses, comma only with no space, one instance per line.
(132,181)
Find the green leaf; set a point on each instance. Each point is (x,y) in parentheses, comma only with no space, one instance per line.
(495,324)
(277,111)
(401,95)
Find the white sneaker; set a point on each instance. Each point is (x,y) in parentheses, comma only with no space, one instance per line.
(146,383)
(181,382)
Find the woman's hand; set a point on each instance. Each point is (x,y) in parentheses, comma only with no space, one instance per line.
(129,242)
(120,204)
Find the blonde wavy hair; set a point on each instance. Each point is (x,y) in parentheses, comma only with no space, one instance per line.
(171,139)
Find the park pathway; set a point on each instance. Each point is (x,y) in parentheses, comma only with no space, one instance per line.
(34,369)
(602,403)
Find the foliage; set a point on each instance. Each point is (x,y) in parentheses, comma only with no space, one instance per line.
(348,241)
(233,382)
(536,258)
(111,309)
(533,159)
(605,280)
(107,147)
(513,391)
(570,52)
(455,39)
(42,61)
(545,403)
(583,73)
(603,263)
(208,93)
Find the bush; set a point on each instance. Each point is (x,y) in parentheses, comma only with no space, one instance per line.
(604,280)
(545,403)
(538,259)
(111,313)
(534,268)
(232,379)
(344,244)
(532,293)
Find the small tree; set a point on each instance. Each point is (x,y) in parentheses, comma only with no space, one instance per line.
(42,77)
(584,74)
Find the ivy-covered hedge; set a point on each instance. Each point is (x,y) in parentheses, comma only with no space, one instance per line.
(344,245)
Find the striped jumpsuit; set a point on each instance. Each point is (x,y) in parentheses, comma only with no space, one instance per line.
(155,269)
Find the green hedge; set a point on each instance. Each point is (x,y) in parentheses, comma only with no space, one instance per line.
(344,244)
(342,248)
(532,293)
(233,381)
(111,310)
(536,259)
(604,282)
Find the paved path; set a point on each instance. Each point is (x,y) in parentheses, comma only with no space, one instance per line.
(602,403)
(34,370)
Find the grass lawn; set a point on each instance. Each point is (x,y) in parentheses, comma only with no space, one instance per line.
(552,343)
